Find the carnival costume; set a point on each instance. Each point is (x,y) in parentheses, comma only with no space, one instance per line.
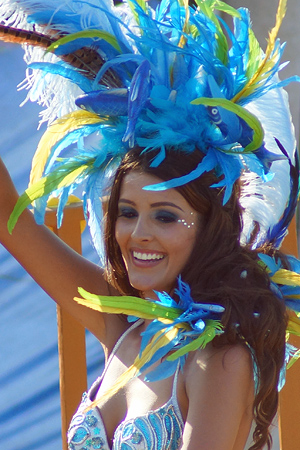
(115,77)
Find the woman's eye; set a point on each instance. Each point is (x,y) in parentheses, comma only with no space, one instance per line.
(166,217)
(128,213)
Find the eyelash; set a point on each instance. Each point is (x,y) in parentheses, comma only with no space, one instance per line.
(128,213)
(166,217)
(161,216)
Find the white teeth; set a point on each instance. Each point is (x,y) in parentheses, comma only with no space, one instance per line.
(147,256)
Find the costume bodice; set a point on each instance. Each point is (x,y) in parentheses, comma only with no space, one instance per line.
(160,429)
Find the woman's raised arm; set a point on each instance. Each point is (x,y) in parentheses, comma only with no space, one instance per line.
(57,268)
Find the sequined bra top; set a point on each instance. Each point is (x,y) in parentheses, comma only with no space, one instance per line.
(160,429)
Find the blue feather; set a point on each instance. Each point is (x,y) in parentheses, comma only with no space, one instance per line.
(165,370)
(127,59)
(227,121)
(108,102)
(293,304)
(62,19)
(94,212)
(231,168)
(277,233)
(208,163)
(67,140)
(270,262)
(60,69)
(294,263)
(165,299)
(138,96)
(159,157)
(160,353)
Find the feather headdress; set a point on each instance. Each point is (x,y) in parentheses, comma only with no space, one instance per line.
(177,77)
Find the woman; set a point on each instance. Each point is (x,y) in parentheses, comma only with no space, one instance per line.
(189,161)
(149,224)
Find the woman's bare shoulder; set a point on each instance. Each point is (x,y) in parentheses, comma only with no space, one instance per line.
(225,359)
(220,391)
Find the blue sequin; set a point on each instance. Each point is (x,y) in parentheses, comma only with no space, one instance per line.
(128,430)
(136,437)
(91,421)
(97,442)
(80,435)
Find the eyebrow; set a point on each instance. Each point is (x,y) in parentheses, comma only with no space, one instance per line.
(153,205)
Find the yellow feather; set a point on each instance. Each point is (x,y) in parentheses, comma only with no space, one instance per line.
(59,129)
(127,305)
(293,324)
(266,63)
(281,11)
(287,277)
(185,28)
(159,340)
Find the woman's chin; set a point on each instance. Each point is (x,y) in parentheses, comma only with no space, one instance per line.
(148,289)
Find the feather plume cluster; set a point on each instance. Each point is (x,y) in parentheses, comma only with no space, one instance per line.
(175,330)
(176,77)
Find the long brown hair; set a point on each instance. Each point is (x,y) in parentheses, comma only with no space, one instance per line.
(219,270)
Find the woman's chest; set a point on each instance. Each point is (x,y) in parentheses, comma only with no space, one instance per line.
(137,418)
(136,399)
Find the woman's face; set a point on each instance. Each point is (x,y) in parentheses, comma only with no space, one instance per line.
(156,232)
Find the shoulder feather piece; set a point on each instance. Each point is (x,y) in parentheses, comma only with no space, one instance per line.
(175,330)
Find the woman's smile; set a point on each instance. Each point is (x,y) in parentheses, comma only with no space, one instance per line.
(155,231)
(140,256)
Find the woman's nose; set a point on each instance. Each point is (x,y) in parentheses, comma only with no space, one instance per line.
(142,230)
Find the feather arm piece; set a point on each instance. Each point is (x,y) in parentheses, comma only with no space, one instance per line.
(100,34)
(127,305)
(57,131)
(252,121)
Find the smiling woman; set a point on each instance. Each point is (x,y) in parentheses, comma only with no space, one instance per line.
(178,126)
